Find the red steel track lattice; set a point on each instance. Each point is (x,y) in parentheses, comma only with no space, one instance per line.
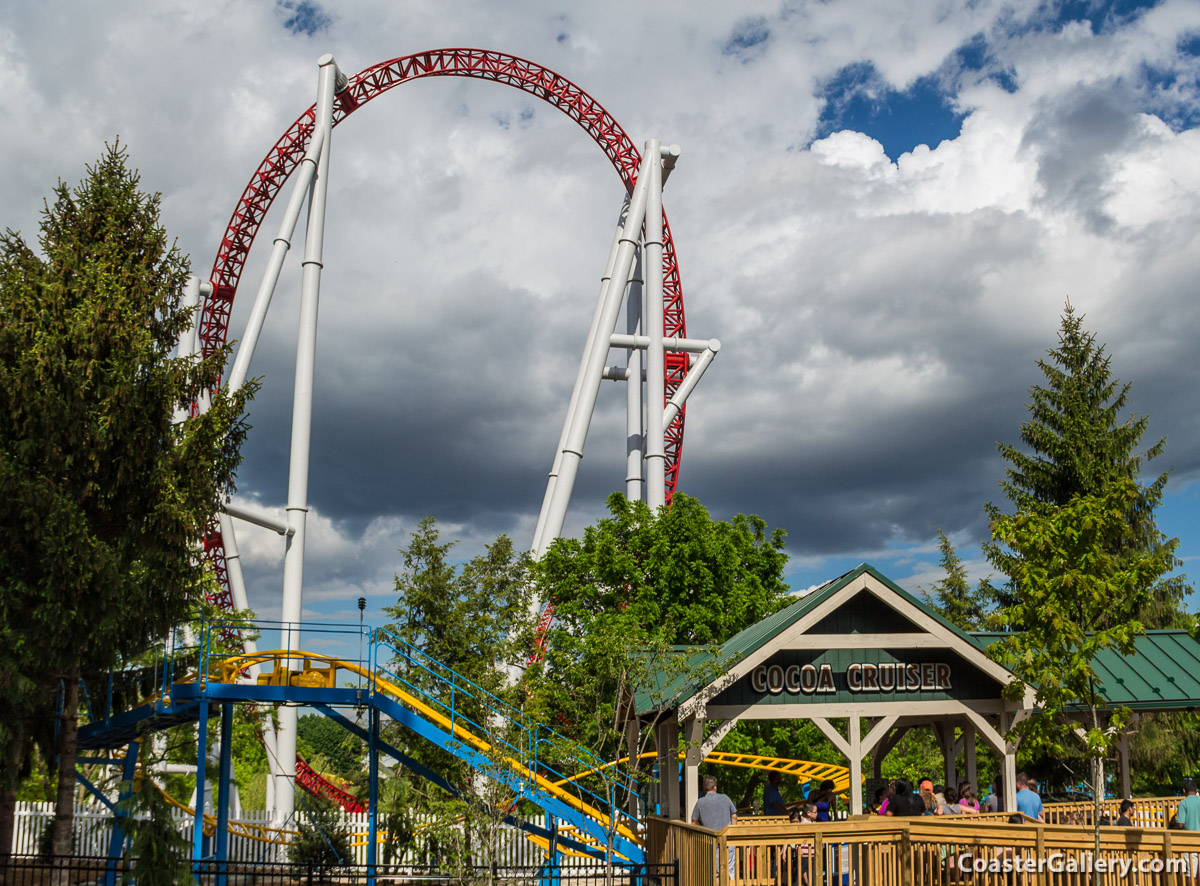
(277,167)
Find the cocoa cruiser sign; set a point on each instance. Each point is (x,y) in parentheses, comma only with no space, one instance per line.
(892,676)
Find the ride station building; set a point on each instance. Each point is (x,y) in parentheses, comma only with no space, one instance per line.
(863,652)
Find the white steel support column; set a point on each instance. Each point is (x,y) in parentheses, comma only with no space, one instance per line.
(237,588)
(656,453)
(279,250)
(695,373)
(540,543)
(634,433)
(592,368)
(189,339)
(188,345)
(297,504)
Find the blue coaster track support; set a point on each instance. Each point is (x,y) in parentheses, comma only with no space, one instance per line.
(505,746)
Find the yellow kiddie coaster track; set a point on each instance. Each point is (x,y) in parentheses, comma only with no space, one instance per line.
(531,777)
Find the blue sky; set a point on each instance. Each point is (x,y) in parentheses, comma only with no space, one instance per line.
(880,215)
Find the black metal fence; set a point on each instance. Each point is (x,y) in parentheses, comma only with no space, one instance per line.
(77,871)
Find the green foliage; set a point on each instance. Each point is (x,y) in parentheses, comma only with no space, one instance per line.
(1080,446)
(476,620)
(962,605)
(1080,583)
(163,855)
(340,751)
(323,838)
(628,594)
(102,491)
(1165,751)
(705,579)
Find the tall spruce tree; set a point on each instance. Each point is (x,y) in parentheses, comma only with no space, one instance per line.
(1078,442)
(963,606)
(102,492)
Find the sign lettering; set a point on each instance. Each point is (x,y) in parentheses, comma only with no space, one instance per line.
(891,676)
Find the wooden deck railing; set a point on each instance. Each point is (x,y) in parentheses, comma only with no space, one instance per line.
(924,851)
(1151,812)
(695,847)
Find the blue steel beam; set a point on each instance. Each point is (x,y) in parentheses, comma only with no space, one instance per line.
(432,777)
(501,773)
(188,701)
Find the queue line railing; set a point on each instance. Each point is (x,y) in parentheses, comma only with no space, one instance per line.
(1148,812)
(924,851)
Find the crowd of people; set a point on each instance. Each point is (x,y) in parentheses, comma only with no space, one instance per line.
(900,797)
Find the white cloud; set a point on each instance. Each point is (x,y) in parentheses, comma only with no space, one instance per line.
(879,319)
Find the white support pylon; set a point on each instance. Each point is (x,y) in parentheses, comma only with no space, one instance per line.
(648,416)
(635,437)
(656,364)
(591,369)
(580,374)
(306,348)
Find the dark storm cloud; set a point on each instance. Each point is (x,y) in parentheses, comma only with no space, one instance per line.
(880,318)
(1075,136)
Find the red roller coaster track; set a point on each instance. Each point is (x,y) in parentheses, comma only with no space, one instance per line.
(283,158)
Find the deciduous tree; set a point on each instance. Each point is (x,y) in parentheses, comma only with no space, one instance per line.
(630,596)
(470,623)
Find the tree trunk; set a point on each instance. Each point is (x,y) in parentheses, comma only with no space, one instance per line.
(64,804)
(8,793)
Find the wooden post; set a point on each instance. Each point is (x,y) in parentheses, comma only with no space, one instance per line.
(633,730)
(1123,762)
(969,750)
(694,737)
(945,734)
(856,755)
(817,862)
(723,859)
(1009,763)
(670,779)
(906,859)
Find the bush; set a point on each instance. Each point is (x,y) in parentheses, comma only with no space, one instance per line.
(323,840)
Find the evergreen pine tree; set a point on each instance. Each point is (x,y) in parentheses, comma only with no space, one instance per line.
(103,492)
(1078,444)
(963,606)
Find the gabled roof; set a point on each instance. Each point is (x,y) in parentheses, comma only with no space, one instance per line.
(1162,674)
(679,688)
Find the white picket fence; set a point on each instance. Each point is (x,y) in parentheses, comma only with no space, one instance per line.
(93,830)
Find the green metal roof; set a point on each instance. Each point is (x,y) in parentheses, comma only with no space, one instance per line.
(1162,674)
(679,688)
